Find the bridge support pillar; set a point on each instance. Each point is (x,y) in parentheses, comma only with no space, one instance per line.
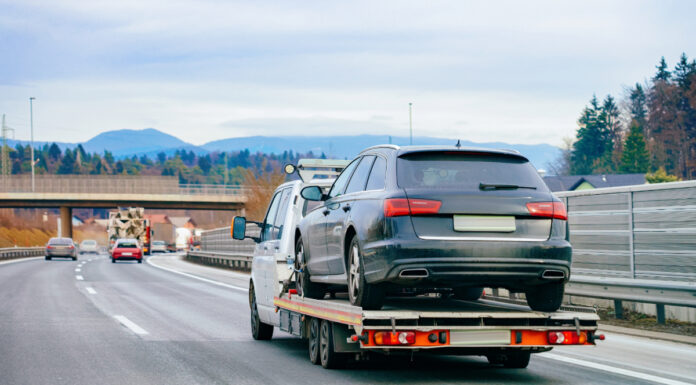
(66,221)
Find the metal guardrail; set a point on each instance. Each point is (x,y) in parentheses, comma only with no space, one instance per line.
(229,261)
(21,252)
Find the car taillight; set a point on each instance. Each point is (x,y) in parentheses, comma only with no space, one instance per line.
(397,207)
(555,210)
(567,338)
(49,247)
(395,338)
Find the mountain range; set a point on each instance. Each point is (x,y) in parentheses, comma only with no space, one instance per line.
(150,142)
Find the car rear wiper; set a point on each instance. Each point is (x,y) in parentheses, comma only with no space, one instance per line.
(489,186)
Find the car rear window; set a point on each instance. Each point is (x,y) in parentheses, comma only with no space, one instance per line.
(127,244)
(465,171)
(89,242)
(158,243)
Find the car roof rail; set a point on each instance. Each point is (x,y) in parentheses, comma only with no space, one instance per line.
(310,169)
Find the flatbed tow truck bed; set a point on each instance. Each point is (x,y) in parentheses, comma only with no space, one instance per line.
(506,333)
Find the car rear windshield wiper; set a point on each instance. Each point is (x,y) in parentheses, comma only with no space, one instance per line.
(489,186)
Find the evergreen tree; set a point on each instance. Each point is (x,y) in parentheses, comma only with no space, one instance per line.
(635,157)
(593,140)
(638,105)
(54,152)
(67,164)
(662,73)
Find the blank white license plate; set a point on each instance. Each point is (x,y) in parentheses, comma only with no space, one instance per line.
(484,223)
(480,337)
(126,254)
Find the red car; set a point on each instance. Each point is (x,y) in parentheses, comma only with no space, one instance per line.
(126,249)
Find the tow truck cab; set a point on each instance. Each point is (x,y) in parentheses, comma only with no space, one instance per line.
(274,254)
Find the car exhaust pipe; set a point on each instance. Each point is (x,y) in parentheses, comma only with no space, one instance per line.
(414,273)
(553,274)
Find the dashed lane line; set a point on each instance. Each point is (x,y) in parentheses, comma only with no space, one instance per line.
(131,325)
(79,278)
(612,369)
(90,290)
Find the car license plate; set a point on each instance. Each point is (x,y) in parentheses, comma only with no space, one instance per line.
(127,254)
(484,223)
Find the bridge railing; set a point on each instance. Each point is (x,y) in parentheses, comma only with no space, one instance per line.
(114,184)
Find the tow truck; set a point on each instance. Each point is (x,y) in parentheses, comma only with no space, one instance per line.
(505,331)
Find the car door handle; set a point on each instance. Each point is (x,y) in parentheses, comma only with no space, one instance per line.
(325,212)
(346,208)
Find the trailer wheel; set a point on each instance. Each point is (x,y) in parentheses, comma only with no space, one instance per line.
(314,327)
(330,359)
(304,286)
(361,293)
(547,297)
(259,330)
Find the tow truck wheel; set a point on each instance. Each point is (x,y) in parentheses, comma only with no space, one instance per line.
(361,293)
(314,326)
(330,359)
(259,330)
(305,287)
(547,297)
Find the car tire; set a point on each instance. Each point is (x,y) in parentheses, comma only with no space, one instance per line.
(259,330)
(330,359)
(517,359)
(313,341)
(360,292)
(547,297)
(48,258)
(140,261)
(467,293)
(113,260)
(74,258)
(305,287)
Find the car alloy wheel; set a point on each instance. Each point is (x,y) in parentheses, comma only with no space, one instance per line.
(354,273)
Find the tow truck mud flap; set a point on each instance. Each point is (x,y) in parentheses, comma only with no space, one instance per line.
(341,335)
(291,322)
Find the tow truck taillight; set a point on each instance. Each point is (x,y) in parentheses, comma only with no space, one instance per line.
(556,210)
(396,207)
(567,338)
(395,338)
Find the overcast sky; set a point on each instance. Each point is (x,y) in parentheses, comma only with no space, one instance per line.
(517,71)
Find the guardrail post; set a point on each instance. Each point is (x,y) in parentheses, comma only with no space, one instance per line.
(618,309)
(631,238)
(660,313)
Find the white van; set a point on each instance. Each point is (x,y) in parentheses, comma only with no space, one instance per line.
(274,255)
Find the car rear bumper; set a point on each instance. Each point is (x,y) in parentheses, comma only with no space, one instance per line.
(64,254)
(511,264)
(127,258)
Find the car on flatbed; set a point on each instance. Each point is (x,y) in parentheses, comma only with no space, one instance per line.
(60,248)
(336,330)
(432,218)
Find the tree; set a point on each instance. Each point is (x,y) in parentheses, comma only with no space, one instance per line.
(54,152)
(638,105)
(660,176)
(67,164)
(593,140)
(205,163)
(561,165)
(161,158)
(610,123)
(635,157)
(662,73)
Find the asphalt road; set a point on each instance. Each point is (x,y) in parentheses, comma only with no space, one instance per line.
(131,323)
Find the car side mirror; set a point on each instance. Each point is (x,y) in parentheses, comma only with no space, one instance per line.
(238,229)
(312,193)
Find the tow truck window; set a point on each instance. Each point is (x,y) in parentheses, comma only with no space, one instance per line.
(282,212)
(267,230)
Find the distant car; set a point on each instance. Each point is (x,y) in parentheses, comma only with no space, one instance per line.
(159,247)
(89,246)
(126,249)
(61,247)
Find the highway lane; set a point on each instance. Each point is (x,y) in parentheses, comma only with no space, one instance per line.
(137,324)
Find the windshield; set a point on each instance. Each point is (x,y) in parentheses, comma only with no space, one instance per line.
(465,171)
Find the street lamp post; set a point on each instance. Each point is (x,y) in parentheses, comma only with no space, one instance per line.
(31,124)
(410,123)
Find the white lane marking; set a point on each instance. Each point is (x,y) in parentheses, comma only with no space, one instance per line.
(130,325)
(607,368)
(78,270)
(79,278)
(90,290)
(89,260)
(20,260)
(242,289)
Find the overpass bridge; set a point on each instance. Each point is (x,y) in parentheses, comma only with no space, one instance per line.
(66,192)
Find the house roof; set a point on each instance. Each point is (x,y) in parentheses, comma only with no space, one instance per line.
(571,182)
(158,218)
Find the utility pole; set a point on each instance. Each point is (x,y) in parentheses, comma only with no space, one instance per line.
(5,154)
(31,123)
(410,123)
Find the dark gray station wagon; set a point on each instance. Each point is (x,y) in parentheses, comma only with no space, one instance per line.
(434,218)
